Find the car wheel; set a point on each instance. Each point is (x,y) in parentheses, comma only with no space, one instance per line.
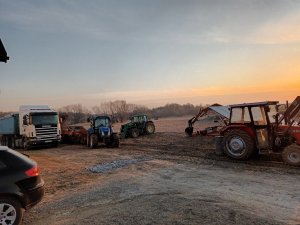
(238,144)
(291,155)
(11,211)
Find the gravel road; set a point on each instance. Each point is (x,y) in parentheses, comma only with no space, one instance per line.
(165,178)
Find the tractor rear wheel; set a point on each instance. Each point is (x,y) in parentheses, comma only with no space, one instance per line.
(115,141)
(291,155)
(238,144)
(149,128)
(134,132)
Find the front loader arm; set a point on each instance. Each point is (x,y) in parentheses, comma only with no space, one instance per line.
(292,113)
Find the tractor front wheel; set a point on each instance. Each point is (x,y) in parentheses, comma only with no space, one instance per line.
(93,141)
(135,133)
(238,144)
(291,155)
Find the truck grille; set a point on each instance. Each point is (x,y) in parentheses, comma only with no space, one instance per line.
(46,133)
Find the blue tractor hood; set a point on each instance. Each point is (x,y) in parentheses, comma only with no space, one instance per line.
(105,131)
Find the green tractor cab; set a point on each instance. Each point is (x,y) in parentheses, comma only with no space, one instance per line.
(138,125)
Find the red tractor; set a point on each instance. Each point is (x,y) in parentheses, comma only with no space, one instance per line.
(258,128)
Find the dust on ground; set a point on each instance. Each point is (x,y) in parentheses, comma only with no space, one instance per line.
(164,178)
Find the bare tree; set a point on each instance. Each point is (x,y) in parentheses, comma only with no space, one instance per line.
(118,109)
(75,113)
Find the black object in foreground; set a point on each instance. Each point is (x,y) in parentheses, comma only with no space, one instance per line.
(3,54)
(21,186)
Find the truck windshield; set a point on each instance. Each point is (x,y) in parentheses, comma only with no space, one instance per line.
(44,119)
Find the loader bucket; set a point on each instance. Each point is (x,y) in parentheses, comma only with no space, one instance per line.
(189,131)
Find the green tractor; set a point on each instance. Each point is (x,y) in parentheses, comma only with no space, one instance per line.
(138,125)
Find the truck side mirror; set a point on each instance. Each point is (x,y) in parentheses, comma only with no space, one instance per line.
(25,120)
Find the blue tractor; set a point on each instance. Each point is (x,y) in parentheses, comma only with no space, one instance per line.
(101,131)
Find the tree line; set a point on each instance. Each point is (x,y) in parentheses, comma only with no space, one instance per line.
(121,111)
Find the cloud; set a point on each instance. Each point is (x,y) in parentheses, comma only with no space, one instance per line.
(278,31)
(194,22)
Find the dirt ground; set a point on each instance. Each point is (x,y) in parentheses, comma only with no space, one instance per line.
(165,178)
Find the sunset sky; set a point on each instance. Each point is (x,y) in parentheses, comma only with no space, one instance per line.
(149,52)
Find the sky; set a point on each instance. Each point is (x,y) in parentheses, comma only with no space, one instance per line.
(65,52)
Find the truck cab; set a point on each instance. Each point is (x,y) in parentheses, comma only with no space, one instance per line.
(33,125)
(39,125)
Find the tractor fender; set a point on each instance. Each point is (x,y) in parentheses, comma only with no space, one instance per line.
(90,131)
(242,127)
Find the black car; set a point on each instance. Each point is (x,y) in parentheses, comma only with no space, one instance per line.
(21,186)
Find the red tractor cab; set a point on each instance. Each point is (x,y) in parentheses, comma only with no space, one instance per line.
(258,128)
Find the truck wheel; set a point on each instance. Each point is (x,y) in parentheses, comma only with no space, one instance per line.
(149,128)
(93,141)
(291,155)
(9,142)
(238,144)
(25,144)
(135,133)
(4,141)
(13,143)
(11,211)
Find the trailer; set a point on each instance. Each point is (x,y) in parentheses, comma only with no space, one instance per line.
(33,125)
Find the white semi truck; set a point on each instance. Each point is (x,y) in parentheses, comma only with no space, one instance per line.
(33,125)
